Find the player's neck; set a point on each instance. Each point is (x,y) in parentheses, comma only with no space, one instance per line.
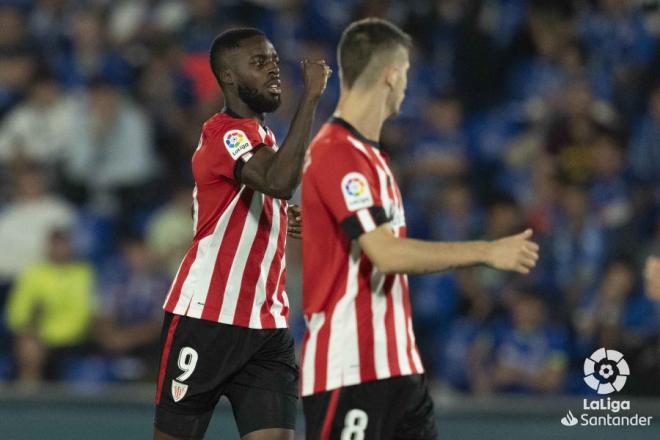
(238,108)
(365,111)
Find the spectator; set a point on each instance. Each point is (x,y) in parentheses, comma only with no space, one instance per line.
(616,314)
(610,194)
(40,129)
(466,343)
(113,151)
(18,57)
(26,222)
(88,56)
(530,354)
(440,147)
(578,245)
(644,154)
(652,277)
(170,230)
(455,217)
(130,317)
(49,311)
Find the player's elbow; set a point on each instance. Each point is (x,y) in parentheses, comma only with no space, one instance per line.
(281,188)
(280,193)
(384,263)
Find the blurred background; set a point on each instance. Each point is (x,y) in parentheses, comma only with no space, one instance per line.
(539,113)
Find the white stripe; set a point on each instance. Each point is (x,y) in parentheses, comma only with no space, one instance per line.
(262,133)
(343,354)
(400,326)
(378,309)
(359,145)
(385,200)
(235,276)
(415,356)
(195,210)
(277,307)
(366,221)
(196,286)
(314,325)
(260,288)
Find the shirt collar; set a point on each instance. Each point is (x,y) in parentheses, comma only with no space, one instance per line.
(353,131)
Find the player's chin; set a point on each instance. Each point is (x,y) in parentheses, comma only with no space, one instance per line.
(273,101)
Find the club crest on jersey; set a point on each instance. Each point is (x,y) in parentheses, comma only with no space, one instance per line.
(356,192)
(179,390)
(236,143)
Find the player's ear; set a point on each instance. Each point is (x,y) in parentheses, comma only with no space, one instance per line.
(391,75)
(227,76)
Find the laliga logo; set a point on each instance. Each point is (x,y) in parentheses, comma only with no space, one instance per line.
(234,139)
(354,187)
(606,371)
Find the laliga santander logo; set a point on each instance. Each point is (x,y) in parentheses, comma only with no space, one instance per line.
(606,371)
(234,139)
(354,187)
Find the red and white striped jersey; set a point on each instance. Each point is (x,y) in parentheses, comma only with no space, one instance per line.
(359,325)
(234,271)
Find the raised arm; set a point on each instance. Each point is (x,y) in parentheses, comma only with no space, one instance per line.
(404,255)
(277,174)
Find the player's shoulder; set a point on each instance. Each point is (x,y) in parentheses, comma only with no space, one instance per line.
(221,123)
(334,142)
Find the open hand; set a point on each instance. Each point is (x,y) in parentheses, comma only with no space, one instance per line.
(515,253)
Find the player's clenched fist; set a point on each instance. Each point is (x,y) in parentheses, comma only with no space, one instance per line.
(294,221)
(315,77)
(515,253)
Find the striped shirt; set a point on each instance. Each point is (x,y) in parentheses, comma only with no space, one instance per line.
(234,271)
(359,325)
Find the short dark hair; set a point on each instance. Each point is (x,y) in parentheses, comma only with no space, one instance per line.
(229,39)
(364,39)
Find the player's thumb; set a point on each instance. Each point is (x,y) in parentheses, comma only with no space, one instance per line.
(527,233)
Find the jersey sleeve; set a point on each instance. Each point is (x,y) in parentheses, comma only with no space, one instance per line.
(237,143)
(350,188)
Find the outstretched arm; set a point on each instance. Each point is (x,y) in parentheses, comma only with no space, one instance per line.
(405,255)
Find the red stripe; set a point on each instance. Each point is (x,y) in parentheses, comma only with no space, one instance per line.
(407,313)
(330,415)
(225,257)
(166,353)
(175,293)
(365,330)
(392,350)
(305,341)
(253,264)
(267,320)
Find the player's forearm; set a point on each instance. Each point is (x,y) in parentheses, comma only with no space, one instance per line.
(285,170)
(412,256)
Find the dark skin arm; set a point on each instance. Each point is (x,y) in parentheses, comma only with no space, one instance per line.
(277,174)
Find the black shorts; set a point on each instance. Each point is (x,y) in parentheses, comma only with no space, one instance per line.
(202,361)
(397,408)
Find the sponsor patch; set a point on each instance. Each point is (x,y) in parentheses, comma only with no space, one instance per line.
(237,143)
(179,390)
(355,188)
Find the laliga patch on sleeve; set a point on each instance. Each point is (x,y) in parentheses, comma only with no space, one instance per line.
(356,192)
(237,143)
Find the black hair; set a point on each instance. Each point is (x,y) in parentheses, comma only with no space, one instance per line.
(364,39)
(228,40)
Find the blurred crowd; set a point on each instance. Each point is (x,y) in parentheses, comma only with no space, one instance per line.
(540,113)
